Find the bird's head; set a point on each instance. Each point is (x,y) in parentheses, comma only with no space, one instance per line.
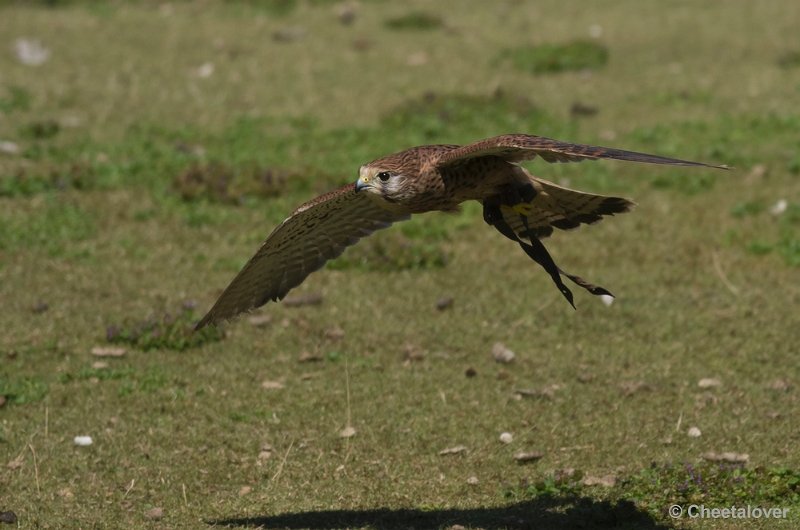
(390,184)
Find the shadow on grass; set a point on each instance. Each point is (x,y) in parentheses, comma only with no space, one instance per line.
(546,512)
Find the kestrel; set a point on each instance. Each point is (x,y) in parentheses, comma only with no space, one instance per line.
(522,207)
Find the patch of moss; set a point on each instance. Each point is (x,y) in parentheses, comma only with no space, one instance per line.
(415,20)
(273,7)
(660,486)
(551,58)
(748,208)
(164,330)
(16,99)
(77,174)
(711,484)
(22,390)
(465,117)
(560,483)
(217,182)
(41,130)
(789,59)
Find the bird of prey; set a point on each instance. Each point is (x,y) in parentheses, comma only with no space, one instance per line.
(522,207)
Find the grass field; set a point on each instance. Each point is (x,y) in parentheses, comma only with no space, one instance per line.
(147,148)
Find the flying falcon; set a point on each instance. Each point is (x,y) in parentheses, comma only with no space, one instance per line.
(427,178)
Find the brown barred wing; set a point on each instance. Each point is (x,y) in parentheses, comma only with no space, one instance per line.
(316,232)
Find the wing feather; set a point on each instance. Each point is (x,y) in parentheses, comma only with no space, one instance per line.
(316,232)
(519,147)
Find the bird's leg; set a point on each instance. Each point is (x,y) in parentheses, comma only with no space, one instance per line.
(594,289)
(577,280)
(536,250)
(526,194)
(493,217)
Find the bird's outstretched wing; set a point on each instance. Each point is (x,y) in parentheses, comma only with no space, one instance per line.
(316,232)
(519,147)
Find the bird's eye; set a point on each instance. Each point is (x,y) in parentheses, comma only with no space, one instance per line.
(384,175)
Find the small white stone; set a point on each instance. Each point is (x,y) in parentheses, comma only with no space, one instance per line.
(501,354)
(506,437)
(694,432)
(82,441)
(473,481)
(607,299)
(709,382)
(108,351)
(9,148)
(607,481)
(347,432)
(455,450)
(728,456)
(779,207)
(31,52)
(528,456)
(205,70)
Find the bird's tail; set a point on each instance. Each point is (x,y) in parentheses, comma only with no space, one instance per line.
(548,205)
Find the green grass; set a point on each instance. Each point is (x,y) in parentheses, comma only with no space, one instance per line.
(661,485)
(14,98)
(52,225)
(140,188)
(415,20)
(789,59)
(22,390)
(165,330)
(555,58)
(712,484)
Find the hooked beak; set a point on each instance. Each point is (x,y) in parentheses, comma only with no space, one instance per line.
(360,185)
